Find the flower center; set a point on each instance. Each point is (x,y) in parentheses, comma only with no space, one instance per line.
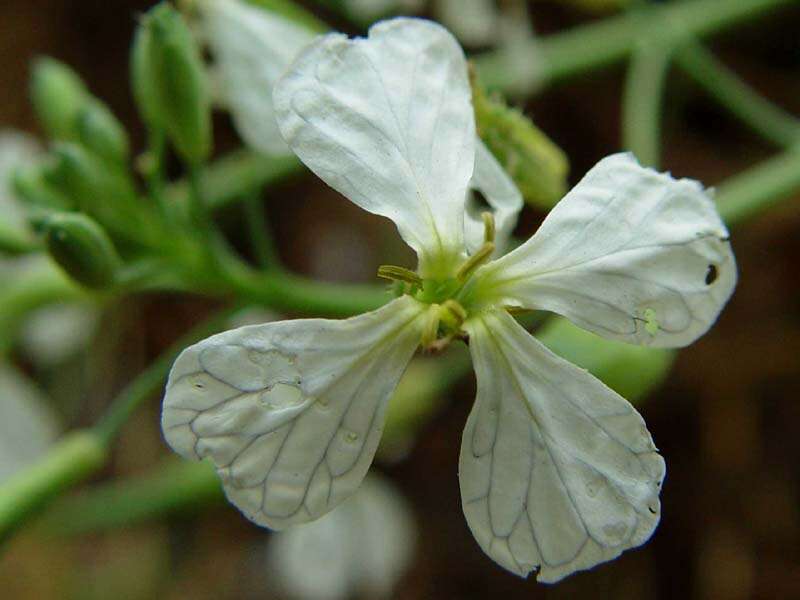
(446,314)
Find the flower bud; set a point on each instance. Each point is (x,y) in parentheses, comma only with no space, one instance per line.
(31,185)
(170,83)
(101,132)
(537,165)
(82,248)
(57,94)
(99,190)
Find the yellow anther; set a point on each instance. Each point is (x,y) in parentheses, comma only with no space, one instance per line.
(476,260)
(431,330)
(488,227)
(453,314)
(393,273)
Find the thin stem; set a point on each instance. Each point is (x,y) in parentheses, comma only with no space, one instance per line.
(752,192)
(590,47)
(293,293)
(74,458)
(231,177)
(765,118)
(643,100)
(154,173)
(80,454)
(151,379)
(260,235)
(175,486)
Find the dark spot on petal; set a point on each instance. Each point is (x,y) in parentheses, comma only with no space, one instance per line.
(711,274)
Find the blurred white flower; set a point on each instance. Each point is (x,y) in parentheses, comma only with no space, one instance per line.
(28,426)
(53,333)
(360,549)
(251,48)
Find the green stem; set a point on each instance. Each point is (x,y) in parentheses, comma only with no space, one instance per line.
(77,456)
(234,175)
(81,454)
(293,293)
(147,382)
(260,236)
(750,193)
(725,87)
(643,100)
(175,486)
(589,47)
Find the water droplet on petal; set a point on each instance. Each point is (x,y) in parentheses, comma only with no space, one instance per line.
(282,395)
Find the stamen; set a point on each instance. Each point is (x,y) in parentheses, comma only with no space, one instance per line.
(488,227)
(476,260)
(394,273)
(453,314)
(431,331)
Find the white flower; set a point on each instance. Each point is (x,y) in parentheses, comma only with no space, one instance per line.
(28,426)
(345,554)
(557,471)
(251,47)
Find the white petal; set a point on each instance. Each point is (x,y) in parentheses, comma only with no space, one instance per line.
(630,254)
(556,469)
(252,48)
(501,193)
(346,554)
(388,122)
(290,412)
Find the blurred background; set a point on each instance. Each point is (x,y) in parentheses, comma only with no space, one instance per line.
(726,419)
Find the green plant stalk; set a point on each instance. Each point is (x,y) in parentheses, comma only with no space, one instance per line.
(590,47)
(296,294)
(749,194)
(231,177)
(77,456)
(643,100)
(80,454)
(260,235)
(175,486)
(762,116)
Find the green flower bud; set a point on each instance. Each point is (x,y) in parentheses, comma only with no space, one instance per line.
(534,162)
(170,83)
(82,248)
(101,132)
(292,12)
(100,190)
(57,94)
(32,185)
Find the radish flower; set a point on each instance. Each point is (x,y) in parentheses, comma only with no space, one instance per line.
(557,472)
